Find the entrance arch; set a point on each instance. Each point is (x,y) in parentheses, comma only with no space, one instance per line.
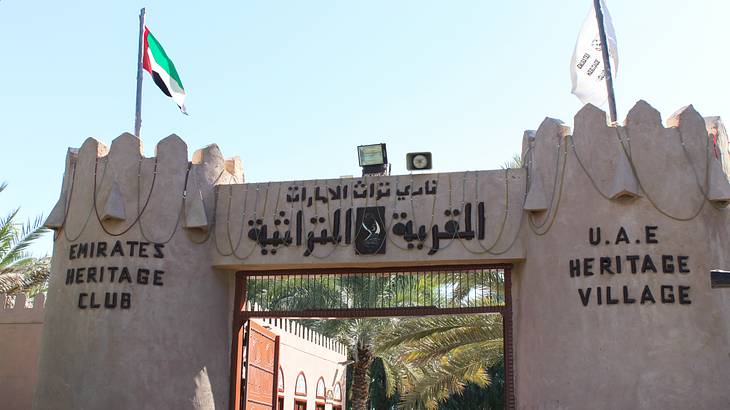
(429,291)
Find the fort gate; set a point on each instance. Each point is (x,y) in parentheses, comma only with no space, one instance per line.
(607,237)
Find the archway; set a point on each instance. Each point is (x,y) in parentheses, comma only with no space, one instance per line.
(429,291)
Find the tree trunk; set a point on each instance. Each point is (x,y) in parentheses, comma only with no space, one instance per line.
(360,378)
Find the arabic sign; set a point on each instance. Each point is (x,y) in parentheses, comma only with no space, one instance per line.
(437,216)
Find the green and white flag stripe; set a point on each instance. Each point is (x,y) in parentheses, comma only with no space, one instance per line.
(162,70)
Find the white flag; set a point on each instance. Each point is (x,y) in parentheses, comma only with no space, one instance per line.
(587,69)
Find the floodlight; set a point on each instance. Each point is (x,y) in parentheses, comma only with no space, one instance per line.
(373,159)
(373,154)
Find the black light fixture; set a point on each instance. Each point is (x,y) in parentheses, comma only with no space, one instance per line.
(418,161)
(373,159)
(719,278)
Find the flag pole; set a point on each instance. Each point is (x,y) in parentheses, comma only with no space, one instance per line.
(138,109)
(606,61)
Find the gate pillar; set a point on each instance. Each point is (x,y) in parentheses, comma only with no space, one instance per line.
(613,305)
(136,318)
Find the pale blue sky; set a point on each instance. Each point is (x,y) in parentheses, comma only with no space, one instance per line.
(293,86)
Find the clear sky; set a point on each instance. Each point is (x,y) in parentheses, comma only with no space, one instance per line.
(292,87)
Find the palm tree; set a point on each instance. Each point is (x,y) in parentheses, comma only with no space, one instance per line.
(431,359)
(359,335)
(19,271)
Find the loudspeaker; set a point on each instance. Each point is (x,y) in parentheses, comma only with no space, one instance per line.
(418,161)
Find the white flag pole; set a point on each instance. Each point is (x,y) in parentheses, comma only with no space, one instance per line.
(138,110)
(606,61)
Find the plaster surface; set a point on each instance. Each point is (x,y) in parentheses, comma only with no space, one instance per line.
(658,195)
(166,345)
(20,339)
(428,202)
(642,354)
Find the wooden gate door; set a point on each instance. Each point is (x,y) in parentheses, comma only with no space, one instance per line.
(262,363)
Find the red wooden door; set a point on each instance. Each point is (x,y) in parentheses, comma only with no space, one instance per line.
(262,362)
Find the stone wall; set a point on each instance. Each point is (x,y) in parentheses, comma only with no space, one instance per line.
(21,322)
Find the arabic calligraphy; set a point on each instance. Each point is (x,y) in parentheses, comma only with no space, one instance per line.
(369,230)
(310,195)
(422,214)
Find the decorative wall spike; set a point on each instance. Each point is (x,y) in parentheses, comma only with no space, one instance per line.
(625,184)
(210,154)
(20,301)
(528,140)
(57,216)
(643,114)
(127,142)
(114,204)
(543,158)
(172,153)
(718,191)
(195,216)
(39,302)
(536,200)
(235,168)
(720,141)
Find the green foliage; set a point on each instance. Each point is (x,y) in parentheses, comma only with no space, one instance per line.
(515,162)
(19,271)
(420,363)
(475,397)
(434,358)
(380,397)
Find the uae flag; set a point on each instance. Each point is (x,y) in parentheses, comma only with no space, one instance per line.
(162,70)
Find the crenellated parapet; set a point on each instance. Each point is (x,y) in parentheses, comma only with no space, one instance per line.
(307,334)
(678,169)
(119,189)
(295,223)
(19,309)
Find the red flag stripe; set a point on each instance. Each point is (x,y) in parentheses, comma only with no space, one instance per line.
(145,57)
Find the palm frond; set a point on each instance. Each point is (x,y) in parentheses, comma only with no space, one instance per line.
(27,278)
(8,230)
(514,162)
(19,239)
(393,380)
(435,357)
(444,329)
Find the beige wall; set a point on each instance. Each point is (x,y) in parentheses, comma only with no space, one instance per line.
(165,342)
(170,349)
(621,355)
(425,202)
(20,339)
